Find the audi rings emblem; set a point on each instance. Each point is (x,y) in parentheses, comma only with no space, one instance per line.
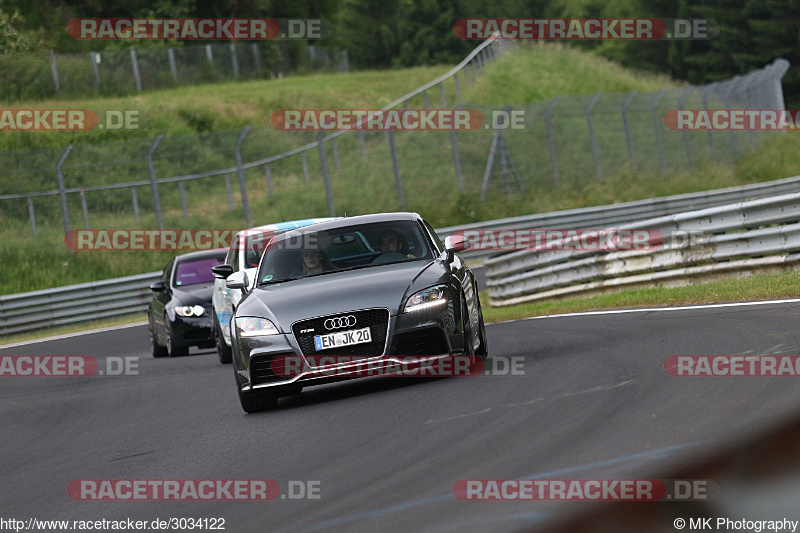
(340,322)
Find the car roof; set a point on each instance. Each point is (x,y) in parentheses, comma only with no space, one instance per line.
(287,225)
(216,252)
(358,220)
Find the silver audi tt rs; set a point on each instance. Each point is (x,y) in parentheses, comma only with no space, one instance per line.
(337,298)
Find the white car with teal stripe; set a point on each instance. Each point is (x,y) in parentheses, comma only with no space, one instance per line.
(244,254)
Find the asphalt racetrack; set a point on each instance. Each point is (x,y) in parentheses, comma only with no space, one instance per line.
(384,454)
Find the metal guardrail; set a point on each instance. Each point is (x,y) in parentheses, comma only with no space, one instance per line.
(72,304)
(531,275)
(113,297)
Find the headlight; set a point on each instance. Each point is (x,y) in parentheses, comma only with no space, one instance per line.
(255,327)
(430,297)
(189,310)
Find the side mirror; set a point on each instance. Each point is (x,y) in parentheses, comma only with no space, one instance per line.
(453,244)
(158,286)
(222,271)
(238,280)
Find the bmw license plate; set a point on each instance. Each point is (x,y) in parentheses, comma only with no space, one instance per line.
(342,338)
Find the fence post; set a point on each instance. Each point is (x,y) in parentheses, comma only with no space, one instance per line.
(153,184)
(182,194)
(32,215)
(135,67)
(172,67)
(209,54)
(458,88)
(425,99)
(710,136)
(592,138)
(361,144)
(235,64)
(61,190)
(489,164)
(336,160)
(93,56)
(135,200)
(396,170)
(54,71)
(657,128)
(551,141)
(85,209)
(441,93)
(325,175)
(268,172)
(687,145)
(240,170)
(624,110)
(229,191)
(256,59)
(304,159)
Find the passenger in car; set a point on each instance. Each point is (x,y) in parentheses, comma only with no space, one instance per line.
(314,262)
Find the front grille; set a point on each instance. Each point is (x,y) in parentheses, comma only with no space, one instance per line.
(261,370)
(426,341)
(377,320)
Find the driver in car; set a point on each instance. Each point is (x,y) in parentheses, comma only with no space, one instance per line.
(390,241)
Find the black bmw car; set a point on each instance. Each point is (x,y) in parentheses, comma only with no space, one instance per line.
(333,299)
(179,314)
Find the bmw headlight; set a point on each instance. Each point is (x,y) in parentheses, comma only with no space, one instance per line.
(427,298)
(255,327)
(189,310)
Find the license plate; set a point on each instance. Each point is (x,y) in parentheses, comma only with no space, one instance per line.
(342,338)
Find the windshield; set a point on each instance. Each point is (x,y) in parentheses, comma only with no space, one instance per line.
(195,272)
(310,253)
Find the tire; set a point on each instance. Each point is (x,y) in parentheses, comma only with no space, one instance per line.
(483,348)
(466,329)
(173,349)
(257,401)
(224,352)
(155,349)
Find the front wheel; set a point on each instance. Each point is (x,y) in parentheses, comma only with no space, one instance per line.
(483,348)
(155,349)
(173,349)
(224,352)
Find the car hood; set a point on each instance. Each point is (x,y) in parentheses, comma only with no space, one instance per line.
(199,294)
(379,286)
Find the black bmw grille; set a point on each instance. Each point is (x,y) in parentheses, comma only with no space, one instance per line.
(427,341)
(377,320)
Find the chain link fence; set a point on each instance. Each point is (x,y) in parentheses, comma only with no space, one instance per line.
(122,72)
(568,139)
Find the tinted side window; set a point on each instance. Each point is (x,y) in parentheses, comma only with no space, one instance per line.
(438,243)
(165,275)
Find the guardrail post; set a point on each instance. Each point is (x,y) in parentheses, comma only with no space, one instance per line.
(325,176)
(85,209)
(657,121)
(61,190)
(240,170)
(135,67)
(268,172)
(135,200)
(551,141)
(32,215)
(153,184)
(592,138)
(401,197)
